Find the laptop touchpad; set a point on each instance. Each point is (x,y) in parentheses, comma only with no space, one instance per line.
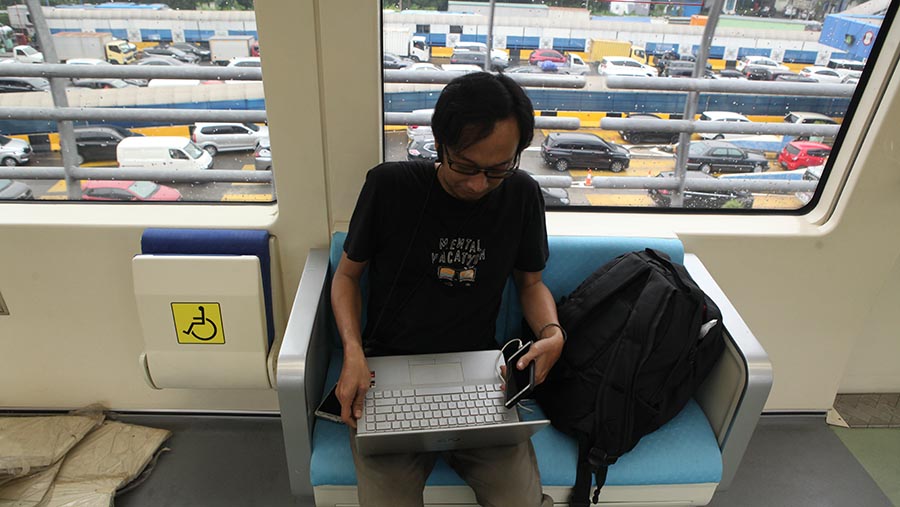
(437,373)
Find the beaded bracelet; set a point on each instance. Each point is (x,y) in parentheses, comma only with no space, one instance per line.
(552,324)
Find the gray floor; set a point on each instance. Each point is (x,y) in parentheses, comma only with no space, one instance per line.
(223,461)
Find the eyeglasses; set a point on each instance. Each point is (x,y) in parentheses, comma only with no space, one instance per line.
(496,172)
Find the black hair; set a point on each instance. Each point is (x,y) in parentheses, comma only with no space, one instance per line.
(471,105)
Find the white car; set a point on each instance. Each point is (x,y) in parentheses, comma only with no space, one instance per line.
(245,61)
(759,61)
(414,131)
(624,66)
(86,61)
(425,67)
(726,116)
(822,74)
(499,57)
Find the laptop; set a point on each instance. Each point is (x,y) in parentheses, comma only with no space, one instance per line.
(438,402)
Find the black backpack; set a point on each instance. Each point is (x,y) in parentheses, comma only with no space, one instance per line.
(642,336)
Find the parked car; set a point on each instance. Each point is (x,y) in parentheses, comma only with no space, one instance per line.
(203,54)
(262,156)
(420,130)
(499,57)
(800,154)
(566,150)
(702,199)
(679,68)
(731,74)
(721,156)
(99,142)
(23,84)
(794,78)
(162,152)
(13,151)
(545,55)
(822,74)
(638,137)
(811,119)
(525,69)
(160,60)
(245,61)
(216,137)
(424,67)
(812,173)
(392,61)
(554,197)
(421,148)
(624,66)
(100,83)
(15,191)
(723,116)
(172,52)
(86,61)
(756,72)
(127,190)
(778,74)
(759,61)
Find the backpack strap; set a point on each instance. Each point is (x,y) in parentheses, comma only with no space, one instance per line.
(582,487)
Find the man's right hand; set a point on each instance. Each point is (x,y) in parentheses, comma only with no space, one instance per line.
(352,386)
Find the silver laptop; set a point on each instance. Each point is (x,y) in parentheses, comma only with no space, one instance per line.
(438,402)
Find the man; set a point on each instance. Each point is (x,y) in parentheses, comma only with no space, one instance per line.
(439,241)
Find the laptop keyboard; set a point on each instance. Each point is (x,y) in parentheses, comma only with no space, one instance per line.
(435,408)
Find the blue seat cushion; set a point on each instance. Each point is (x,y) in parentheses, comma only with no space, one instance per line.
(217,242)
(684,451)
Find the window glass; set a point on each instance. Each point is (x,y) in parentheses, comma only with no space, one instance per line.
(752,41)
(36,143)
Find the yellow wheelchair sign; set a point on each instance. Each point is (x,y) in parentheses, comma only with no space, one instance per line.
(198,323)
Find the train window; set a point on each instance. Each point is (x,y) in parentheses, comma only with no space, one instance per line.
(599,70)
(158,148)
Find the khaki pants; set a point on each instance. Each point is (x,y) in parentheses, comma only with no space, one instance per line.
(500,476)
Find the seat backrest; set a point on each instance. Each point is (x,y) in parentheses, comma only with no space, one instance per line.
(572,259)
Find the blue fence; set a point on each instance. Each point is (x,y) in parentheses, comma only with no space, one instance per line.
(562,44)
(634,102)
(522,42)
(243,32)
(198,35)
(434,39)
(152,34)
(471,37)
(742,52)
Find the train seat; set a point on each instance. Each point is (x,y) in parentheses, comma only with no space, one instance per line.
(682,463)
(232,269)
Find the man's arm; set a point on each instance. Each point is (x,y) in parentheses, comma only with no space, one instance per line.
(346,302)
(539,310)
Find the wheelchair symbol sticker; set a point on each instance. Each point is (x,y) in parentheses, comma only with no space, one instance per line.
(198,323)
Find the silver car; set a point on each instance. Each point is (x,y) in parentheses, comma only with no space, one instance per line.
(262,157)
(216,137)
(14,151)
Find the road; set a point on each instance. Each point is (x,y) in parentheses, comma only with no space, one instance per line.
(646,162)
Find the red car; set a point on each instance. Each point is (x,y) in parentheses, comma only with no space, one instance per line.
(546,55)
(800,154)
(126,190)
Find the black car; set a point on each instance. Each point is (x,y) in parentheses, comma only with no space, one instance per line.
(773,74)
(565,150)
(172,53)
(730,74)
(421,148)
(392,61)
(554,197)
(682,68)
(702,199)
(100,83)
(638,137)
(203,54)
(99,142)
(23,84)
(721,156)
(756,72)
(469,57)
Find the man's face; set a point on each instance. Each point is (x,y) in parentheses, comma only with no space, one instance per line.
(496,151)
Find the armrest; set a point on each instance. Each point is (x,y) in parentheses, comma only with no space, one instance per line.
(735,392)
(302,365)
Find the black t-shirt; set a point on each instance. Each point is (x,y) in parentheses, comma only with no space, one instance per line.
(438,265)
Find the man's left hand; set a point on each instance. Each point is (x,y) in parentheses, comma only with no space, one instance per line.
(544,353)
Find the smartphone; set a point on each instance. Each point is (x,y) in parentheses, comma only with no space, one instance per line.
(519,383)
(330,408)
